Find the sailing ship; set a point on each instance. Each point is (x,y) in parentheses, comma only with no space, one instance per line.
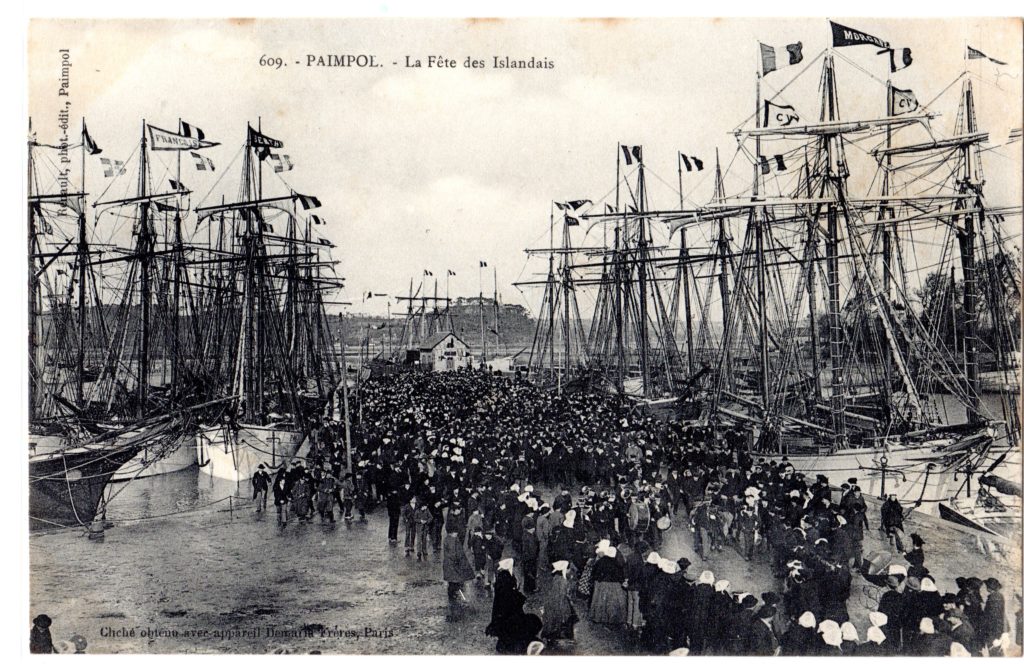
(801,320)
(89,412)
(269,348)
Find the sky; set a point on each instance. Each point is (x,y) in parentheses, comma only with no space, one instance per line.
(439,169)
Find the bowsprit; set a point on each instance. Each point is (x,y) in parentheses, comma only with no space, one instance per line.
(346,60)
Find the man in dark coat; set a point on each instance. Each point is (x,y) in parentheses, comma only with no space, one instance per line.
(40,642)
(394,502)
(993,618)
(891,604)
(260,487)
(282,491)
(530,555)
(760,640)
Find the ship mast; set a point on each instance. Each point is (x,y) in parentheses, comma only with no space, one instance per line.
(682,281)
(970,182)
(144,253)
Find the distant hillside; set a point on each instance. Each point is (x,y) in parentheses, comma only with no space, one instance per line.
(515,326)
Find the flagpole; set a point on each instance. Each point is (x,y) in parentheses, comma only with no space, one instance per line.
(497,336)
(483,340)
(81,281)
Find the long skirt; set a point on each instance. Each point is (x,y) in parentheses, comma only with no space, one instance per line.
(608,605)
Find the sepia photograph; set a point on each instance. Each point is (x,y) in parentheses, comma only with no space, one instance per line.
(522,336)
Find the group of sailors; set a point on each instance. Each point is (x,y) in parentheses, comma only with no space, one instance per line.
(460,459)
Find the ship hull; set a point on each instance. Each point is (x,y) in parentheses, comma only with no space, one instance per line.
(65,487)
(913,473)
(176,453)
(235,454)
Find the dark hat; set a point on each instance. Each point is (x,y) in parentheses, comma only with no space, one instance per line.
(770,598)
(748,602)
(852,480)
(683,563)
(261,466)
(916,539)
(766,611)
(42,620)
(993,584)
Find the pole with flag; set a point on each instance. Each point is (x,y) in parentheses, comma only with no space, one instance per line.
(483,339)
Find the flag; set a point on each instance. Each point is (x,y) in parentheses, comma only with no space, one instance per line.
(975,54)
(1014,135)
(609,209)
(766,166)
(769,62)
(903,101)
(281,162)
(317,220)
(307,202)
(571,221)
(367,296)
(161,139)
(191,131)
(844,36)
(266,228)
(112,167)
(899,58)
(427,273)
(262,153)
(632,153)
(631,209)
(324,241)
(779,115)
(87,143)
(176,186)
(576,205)
(202,163)
(164,207)
(690,162)
(258,140)
(450,273)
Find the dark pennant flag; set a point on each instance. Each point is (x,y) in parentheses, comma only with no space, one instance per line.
(975,54)
(87,143)
(844,36)
(258,140)
(571,221)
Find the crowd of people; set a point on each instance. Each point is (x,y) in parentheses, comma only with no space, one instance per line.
(569,495)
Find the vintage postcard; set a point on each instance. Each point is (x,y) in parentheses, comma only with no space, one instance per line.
(453,336)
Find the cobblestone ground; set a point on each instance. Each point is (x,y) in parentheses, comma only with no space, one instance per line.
(214,581)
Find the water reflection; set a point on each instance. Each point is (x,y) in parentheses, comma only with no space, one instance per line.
(181,491)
